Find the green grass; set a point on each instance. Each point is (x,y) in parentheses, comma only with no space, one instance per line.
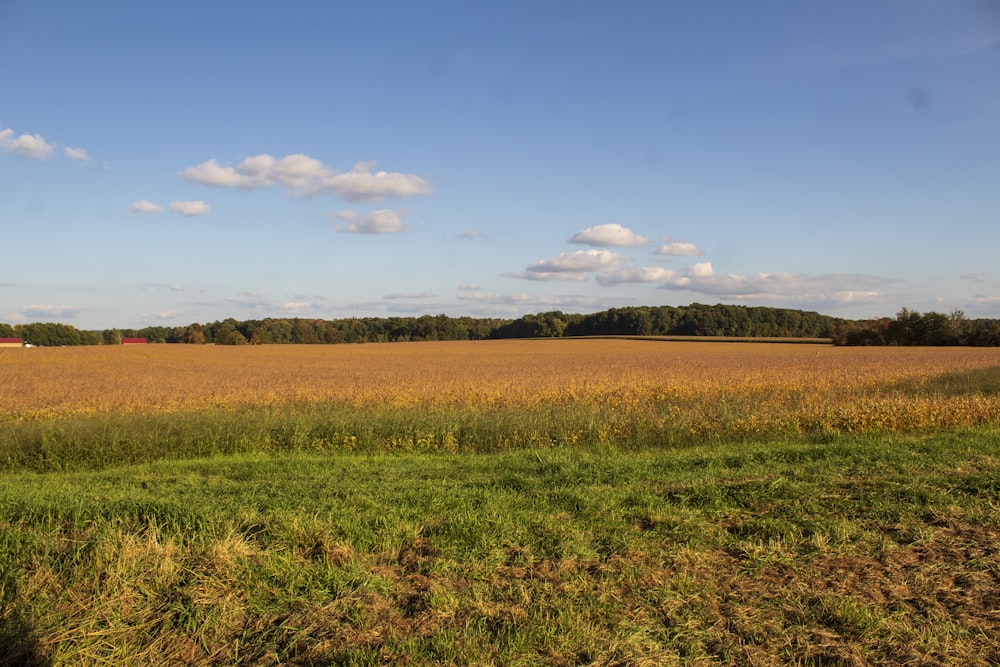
(864,549)
(91,442)
(981,381)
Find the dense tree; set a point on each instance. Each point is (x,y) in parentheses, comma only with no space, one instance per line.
(194,334)
(53,334)
(304,332)
(156,334)
(550,325)
(913,328)
(327,332)
(229,336)
(982,332)
(907,328)
(276,330)
(227,332)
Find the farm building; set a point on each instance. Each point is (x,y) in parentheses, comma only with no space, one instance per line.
(133,341)
(11,342)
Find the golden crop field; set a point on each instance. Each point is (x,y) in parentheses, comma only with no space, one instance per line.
(742,389)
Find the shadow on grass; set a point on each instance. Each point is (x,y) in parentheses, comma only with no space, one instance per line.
(984,381)
(18,644)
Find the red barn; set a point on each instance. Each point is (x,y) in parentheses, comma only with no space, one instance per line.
(133,341)
(11,342)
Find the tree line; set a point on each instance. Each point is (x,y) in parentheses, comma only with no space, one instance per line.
(907,328)
(910,327)
(50,334)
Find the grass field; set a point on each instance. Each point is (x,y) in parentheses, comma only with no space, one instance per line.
(605,502)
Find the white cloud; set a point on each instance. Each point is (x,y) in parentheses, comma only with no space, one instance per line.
(410,295)
(854,296)
(160,287)
(608,235)
(190,209)
(295,307)
(50,312)
(679,249)
(299,173)
(360,184)
(519,302)
(472,234)
(77,154)
(255,302)
(502,299)
(142,206)
(210,173)
(703,270)
(304,175)
(257,170)
(628,275)
(549,275)
(28,145)
(572,265)
(412,308)
(985,279)
(840,288)
(162,316)
(382,221)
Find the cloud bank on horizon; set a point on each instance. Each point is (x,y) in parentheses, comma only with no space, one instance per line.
(611,269)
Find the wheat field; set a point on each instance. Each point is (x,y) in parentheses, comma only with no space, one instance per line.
(703,387)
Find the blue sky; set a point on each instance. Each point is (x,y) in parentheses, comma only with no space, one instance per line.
(169,163)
